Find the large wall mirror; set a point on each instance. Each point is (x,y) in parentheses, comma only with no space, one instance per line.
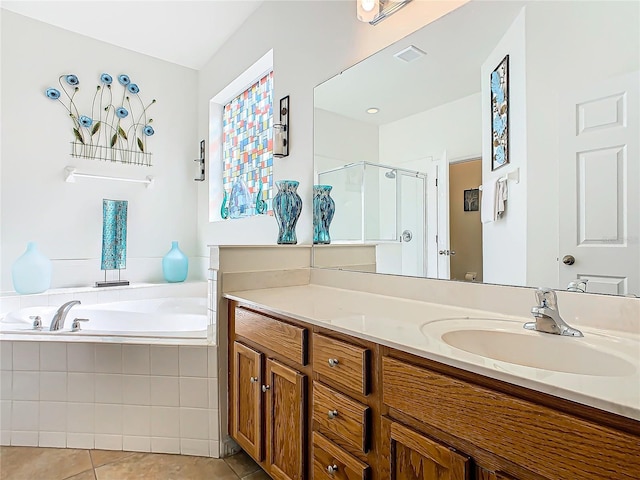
(498,144)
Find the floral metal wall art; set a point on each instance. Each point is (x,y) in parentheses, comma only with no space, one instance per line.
(500,114)
(114,127)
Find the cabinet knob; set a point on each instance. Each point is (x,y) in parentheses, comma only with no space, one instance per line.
(333,362)
(332,414)
(265,388)
(331,469)
(253,379)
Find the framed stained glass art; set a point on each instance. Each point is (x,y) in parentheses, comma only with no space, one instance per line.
(500,114)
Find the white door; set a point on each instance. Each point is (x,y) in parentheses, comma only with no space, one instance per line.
(438,251)
(599,184)
(411,216)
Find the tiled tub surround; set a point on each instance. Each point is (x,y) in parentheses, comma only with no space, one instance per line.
(111,393)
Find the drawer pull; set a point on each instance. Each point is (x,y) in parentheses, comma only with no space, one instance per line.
(265,388)
(333,362)
(331,469)
(253,379)
(332,414)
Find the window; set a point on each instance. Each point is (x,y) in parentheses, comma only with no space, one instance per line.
(241,144)
(247,138)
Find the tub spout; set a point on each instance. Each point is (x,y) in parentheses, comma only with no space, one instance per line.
(61,314)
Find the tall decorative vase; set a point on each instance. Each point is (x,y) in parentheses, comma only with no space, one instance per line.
(323,209)
(31,272)
(175,265)
(287,206)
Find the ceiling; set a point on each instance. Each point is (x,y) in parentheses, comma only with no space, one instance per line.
(456,46)
(184,32)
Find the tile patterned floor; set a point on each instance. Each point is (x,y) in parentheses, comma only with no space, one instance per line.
(31,463)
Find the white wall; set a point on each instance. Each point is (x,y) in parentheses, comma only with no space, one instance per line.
(454,127)
(504,242)
(312,41)
(65,219)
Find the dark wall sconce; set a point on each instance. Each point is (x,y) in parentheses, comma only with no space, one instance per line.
(281,130)
(201,163)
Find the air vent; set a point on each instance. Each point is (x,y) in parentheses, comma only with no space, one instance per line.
(410,54)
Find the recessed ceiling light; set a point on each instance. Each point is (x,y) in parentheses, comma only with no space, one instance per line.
(373,110)
(410,54)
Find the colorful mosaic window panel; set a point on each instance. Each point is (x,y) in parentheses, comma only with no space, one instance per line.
(247,137)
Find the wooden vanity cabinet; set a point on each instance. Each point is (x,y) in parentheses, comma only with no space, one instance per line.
(340,408)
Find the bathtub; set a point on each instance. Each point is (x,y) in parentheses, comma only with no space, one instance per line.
(183,317)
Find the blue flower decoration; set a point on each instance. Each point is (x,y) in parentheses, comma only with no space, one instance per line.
(122,112)
(52,93)
(72,80)
(499,154)
(148,130)
(106,79)
(499,125)
(496,88)
(133,88)
(85,121)
(124,79)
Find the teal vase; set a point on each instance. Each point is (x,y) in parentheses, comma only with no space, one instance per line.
(31,272)
(287,206)
(175,265)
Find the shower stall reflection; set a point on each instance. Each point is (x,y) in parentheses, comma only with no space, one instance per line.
(384,206)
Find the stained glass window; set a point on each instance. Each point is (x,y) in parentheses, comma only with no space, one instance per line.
(247,137)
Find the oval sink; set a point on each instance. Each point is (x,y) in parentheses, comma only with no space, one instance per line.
(540,350)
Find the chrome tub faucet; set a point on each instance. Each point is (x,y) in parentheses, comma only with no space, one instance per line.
(57,323)
(547,314)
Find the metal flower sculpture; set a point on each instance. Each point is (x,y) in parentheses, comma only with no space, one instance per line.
(117,128)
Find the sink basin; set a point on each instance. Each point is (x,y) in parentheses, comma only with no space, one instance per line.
(507,341)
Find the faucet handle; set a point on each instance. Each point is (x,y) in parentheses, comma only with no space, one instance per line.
(547,297)
(75,326)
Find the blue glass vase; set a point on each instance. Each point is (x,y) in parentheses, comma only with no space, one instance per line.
(323,209)
(175,265)
(240,201)
(287,206)
(31,272)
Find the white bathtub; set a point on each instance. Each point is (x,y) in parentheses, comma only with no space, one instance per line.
(164,317)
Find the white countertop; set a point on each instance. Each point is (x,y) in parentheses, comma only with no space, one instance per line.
(411,326)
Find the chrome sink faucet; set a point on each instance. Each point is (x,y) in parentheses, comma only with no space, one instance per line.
(57,323)
(548,319)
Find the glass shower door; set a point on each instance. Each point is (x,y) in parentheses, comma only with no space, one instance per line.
(412,222)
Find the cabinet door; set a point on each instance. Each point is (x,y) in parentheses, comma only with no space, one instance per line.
(247,399)
(408,455)
(484,474)
(285,396)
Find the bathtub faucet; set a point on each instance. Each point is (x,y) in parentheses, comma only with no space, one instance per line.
(61,314)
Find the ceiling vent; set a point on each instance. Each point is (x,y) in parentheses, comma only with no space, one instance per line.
(409,54)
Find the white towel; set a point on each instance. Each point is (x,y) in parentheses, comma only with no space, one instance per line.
(501,197)
(488,202)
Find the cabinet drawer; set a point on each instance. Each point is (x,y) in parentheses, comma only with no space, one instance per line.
(282,338)
(341,415)
(345,466)
(342,363)
(492,420)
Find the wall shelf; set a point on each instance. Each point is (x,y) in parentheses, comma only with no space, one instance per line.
(71,173)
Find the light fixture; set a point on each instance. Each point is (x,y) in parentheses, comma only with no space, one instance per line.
(367,10)
(281,130)
(374,11)
(373,110)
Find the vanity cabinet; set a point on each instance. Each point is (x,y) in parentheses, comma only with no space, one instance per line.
(310,403)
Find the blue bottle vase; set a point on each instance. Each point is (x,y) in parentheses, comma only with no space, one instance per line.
(175,265)
(31,272)
(324,208)
(287,206)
